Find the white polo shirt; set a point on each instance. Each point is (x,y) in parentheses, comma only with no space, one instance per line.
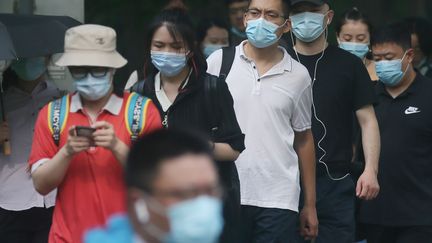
(269,109)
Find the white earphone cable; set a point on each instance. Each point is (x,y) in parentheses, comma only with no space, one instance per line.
(320,160)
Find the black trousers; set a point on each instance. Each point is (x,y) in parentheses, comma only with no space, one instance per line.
(27,226)
(231,211)
(407,234)
(268,225)
(335,208)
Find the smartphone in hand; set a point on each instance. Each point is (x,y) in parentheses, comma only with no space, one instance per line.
(83,131)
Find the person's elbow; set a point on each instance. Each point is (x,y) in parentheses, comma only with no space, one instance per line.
(303,139)
(225,152)
(41,189)
(235,154)
(40,186)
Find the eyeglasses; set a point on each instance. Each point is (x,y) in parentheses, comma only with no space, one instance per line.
(82,72)
(255,13)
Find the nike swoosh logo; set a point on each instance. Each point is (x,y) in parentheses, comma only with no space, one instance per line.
(407,112)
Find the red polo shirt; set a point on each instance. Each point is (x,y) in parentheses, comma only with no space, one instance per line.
(93,188)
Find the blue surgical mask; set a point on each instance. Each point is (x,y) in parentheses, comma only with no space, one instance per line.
(307,26)
(210,48)
(358,49)
(91,88)
(196,220)
(261,33)
(168,63)
(29,69)
(390,72)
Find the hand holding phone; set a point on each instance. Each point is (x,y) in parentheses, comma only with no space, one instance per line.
(83,131)
(80,139)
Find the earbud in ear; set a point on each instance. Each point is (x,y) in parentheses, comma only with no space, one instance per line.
(141,211)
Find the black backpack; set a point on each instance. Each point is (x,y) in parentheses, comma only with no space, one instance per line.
(210,87)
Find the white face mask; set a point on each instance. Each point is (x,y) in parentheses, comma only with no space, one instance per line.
(308,26)
(195,220)
(92,88)
(143,216)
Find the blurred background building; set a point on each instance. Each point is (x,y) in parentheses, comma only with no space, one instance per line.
(72,8)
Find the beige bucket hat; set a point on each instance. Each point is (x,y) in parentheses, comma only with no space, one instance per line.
(91,45)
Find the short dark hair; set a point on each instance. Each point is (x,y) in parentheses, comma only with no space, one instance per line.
(150,152)
(285,4)
(206,24)
(355,15)
(294,8)
(423,29)
(397,33)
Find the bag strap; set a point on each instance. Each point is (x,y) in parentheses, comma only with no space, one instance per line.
(211,95)
(135,114)
(138,87)
(58,112)
(228,54)
(143,85)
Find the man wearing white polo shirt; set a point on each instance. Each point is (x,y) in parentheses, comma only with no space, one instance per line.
(272,100)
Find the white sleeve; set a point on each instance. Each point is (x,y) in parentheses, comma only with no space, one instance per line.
(36,165)
(214,63)
(302,115)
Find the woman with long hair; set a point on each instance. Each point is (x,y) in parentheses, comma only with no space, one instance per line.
(175,78)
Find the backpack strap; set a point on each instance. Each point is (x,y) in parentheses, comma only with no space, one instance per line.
(58,112)
(211,90)
(228,54)
(138,87)
(211,96)
(135,114)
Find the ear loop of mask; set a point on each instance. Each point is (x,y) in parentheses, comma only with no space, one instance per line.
(320,160)
(280,26)
(406,69)
(143,216)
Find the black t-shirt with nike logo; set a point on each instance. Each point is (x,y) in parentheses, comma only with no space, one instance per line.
(405,169)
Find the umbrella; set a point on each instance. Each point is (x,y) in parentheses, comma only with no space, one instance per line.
(37,35)
(32,36)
